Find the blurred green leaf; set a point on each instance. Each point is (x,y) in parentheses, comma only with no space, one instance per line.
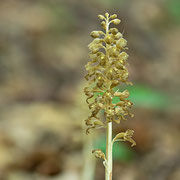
(174,9)
(142,95)
(122,152)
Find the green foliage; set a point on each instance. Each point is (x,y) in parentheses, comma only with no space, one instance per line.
(122,152)
(174,9)
(145,96)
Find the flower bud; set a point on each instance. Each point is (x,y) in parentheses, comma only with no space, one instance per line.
(109,73)
(119,110)
(121,43)
(102,60)
(119,65)
(109,39)
(122,95)
(94,50)
(113,30)
(101,105)
(96,40)
(125,75)
(114,52)
(100,84)
(95,34)
(125,94)
(102,57)
(123,56)
(118,35)
(99,78)
(103,24)
(116,21)
(107,14)
(129,103)
(101,17)
(114,83)
(113,16)
(109,112)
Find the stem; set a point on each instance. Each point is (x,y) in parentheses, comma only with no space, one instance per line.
(108,171)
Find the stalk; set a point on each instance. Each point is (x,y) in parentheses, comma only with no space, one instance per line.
(108,171)
(108,168)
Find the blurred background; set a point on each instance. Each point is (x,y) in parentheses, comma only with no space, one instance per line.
(43,50)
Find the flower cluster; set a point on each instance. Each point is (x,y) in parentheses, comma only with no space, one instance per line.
(105,71)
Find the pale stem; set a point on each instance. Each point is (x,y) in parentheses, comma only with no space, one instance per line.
(108,168)
(108,171)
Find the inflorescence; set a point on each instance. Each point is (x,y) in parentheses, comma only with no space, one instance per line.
(105,71)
